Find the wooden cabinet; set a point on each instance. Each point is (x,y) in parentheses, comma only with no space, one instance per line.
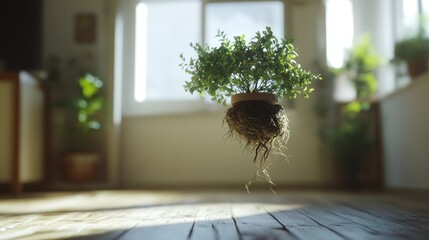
(22,130)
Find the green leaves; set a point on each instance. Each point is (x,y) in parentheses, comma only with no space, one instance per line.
(263,64)
(90,85)
(360,65)
(87,105)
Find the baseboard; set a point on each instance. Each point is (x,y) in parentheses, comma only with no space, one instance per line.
(70,186)
(5,188)
(414,192)
(238,186)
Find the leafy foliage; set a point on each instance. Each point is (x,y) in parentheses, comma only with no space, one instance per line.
(265,64)
(360,65)
(350,135)
(87,105)
(412,48)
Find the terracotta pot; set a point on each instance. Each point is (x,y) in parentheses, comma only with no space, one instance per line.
(81,167)
(416,67)
(240,97)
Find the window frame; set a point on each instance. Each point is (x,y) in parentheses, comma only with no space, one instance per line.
(126,66)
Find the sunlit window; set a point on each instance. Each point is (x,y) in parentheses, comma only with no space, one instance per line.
(140,71)
(154,33)
(237,18)
(413,14)
(339,30)
(410,18)
(164,29)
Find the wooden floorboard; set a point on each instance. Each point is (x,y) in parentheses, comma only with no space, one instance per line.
(214,222)
(129,215)
(254,222)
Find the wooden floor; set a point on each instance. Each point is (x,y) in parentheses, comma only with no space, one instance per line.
(214,215)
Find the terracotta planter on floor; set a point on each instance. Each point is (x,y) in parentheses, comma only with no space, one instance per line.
(81,167)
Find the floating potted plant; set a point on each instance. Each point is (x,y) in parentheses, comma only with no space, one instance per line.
(82,163)
(254,75)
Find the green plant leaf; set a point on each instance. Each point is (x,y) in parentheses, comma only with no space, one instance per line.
(90,85)
(264,64)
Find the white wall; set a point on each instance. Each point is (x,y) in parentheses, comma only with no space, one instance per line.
(59,41)
(405,118)
(190,149)
(31,142)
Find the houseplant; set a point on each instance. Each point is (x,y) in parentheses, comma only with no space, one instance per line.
(360,64)
(254,74)
(351,132)
(81,163)
(415,52)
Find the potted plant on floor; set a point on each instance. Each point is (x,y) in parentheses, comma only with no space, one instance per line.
(254,75)
(351,135)
(81,164)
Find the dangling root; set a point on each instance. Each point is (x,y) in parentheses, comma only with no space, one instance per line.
(265,130)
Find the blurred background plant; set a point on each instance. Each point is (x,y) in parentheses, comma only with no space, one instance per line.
(350,135)
(414,50)
(86,106)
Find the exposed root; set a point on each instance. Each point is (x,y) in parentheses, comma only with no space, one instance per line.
(264,129)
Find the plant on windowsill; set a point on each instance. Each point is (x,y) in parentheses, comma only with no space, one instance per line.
(254,74)
(415,52)
(81,164)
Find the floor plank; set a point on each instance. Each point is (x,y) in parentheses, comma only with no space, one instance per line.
(129,215)
(302,226)
(254,222)
(168,223)
(381,227)
(214,222)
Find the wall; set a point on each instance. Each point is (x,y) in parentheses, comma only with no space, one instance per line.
(190,149)
(405,133)
(59,39)
(31,129)
(59,42)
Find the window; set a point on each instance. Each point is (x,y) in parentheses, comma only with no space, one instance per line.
(412,14)
(156,32)
(339,38)
(237,18)
(339,31)
(163,31)
(386,22)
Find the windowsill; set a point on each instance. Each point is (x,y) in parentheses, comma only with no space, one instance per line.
(169,108)
(415,83)
(174,108)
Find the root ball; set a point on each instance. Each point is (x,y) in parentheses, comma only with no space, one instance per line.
(264,129)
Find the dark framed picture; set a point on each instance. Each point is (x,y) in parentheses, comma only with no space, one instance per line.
(85,28)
